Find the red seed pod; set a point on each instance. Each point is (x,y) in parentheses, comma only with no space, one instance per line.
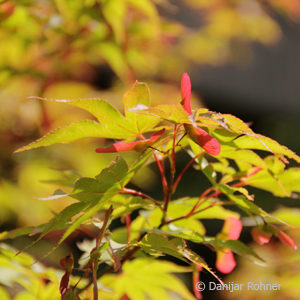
(225,261)
(67,262)
(232,228)
(119,147)
(132,146)
(260,236)
(186,93)
(196,280)
(6,10)
(64,283)
(285,239)
(203,139)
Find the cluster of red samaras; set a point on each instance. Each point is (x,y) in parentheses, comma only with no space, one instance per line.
(198,135)
(67,263)
(262,237)
(231,231)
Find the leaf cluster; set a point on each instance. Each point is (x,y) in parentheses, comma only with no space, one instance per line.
(160,227)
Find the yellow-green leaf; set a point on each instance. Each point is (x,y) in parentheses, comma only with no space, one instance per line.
(243,155)
(135,100)
(105,113)
(73,132)
(261,142)
(171,112)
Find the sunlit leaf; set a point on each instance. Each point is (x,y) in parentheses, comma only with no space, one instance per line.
(105,113)
(266,181)
(146,279)
(138,96)
(236,124)
(261,142)
(289,215)
(247,156)
(114,12)
(73,132)
(171,112)
(274,164)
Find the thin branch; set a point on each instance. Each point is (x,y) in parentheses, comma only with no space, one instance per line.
(86,232)
(95,286)
(174,187)
(189,214)
(161,170)
(172,176)
(163,176)
(102,230)
(173,165)
(128,221)
(177,144)
(138,193)
(202,198)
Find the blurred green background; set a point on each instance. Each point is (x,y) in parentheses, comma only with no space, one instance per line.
(242,56)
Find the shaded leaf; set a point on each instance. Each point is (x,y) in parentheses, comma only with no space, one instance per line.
(246,205)
(110,180)
(81,219)
(235,245)
(199,261)
(61,221)
(155,242)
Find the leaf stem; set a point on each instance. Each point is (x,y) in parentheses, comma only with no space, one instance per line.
(172,160)
(163,177)
(184,170)
(87,232)
(169,190)
(177,144)
(102,230)
(128,221)
(134,192)
(95,286)
(189,214)
(202,198)
(161,170)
